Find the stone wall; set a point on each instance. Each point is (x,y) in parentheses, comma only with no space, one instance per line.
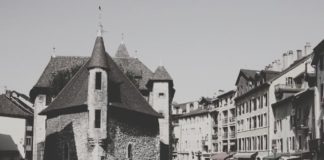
(124,128)
(139,130)
(67,131)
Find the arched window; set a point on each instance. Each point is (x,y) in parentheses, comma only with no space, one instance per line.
(130,152)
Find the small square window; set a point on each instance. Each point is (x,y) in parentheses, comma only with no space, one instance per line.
(161,94)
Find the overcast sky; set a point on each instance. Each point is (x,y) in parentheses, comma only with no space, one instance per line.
(203,44)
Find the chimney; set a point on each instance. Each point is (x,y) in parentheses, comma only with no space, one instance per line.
(307,48)
(279,65)
(299,54)
(284,61)
(290,58)
(8,93)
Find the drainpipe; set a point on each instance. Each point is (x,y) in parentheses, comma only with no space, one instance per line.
(317,113)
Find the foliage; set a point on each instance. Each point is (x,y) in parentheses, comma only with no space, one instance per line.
(61,78)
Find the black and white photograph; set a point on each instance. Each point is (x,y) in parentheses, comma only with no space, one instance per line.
(161,80)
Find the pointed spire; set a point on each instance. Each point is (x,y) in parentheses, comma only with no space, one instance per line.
(99,56)
(122,50)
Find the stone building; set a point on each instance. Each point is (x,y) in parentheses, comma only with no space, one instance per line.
(112,108)
(16,126)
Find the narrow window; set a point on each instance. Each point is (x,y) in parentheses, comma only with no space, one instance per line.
(98,80)
(97,118)
(130,152)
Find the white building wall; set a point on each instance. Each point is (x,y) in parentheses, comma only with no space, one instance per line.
(281,80)
(194,130)
(16,128)
(39,127)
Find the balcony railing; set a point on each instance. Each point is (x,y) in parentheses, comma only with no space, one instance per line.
(215,124)
(214,136)
(301,123)
(225,135)
(280,88)
(225,120)
(232,134)
(232,119)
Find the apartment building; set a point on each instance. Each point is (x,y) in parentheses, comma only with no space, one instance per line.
(225,127)
(256,91)
(252,110)
(195,130)
(293,118)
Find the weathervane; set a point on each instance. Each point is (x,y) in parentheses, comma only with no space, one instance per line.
(100,30)
(122,38)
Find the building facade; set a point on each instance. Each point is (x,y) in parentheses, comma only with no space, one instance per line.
(195,130)
(257,91)
(225,127)
(252,110)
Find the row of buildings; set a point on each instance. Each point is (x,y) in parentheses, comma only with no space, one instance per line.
(97,107)
(273,113)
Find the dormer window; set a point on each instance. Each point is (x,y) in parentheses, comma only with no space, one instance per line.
(98,80)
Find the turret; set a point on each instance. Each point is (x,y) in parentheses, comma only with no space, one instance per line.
(98,91)
(161,96)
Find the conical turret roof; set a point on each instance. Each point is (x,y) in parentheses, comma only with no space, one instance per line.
(161,74)
(99,56)
(122,51)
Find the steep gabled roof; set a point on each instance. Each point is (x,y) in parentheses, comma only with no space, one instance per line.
(247,73)
(55,64)
(136,67)
(132,65)
(11,109)
(122,51)
(127,96)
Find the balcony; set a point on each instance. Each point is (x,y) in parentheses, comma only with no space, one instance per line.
(225,120)
(215,124)
(280,89)
(232,134)
(301,124)
(232,119)
(214,137)
(225,135)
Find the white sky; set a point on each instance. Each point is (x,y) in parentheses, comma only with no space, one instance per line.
(203,44)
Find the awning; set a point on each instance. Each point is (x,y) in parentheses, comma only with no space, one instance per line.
(245,155)
(290,158)
(221,156)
